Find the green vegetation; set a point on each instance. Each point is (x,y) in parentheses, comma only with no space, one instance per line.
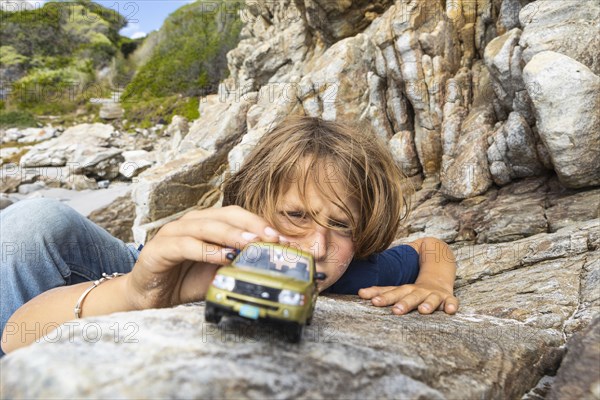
(188,59)
(52,53)
(59,56)
(18,119)
(146,113)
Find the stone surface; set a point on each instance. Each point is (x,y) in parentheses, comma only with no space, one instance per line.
(117,217)
(564,94)
(512,153)
(579,372)
(566,27)
(110,111)
(339,356)
(175,186)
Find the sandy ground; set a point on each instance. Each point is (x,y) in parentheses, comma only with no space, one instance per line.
(84,201)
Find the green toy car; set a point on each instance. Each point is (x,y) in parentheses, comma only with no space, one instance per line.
(266,281)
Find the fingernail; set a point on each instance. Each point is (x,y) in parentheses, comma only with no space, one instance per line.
(426,307)
(399,308)
(249,236)
(270,231)
(377,299)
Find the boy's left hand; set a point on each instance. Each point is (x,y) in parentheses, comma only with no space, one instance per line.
(425,297)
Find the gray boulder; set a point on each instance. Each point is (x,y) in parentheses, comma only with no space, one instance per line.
(566,103)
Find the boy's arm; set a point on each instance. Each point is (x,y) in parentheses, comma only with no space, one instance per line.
(433,289)
(45,312)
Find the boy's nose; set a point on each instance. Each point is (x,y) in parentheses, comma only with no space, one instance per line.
(315,242)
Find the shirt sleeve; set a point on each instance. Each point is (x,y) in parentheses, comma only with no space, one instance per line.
(396,266)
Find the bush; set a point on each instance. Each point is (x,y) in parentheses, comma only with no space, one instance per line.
(190,55)
(16,119)
(150,112)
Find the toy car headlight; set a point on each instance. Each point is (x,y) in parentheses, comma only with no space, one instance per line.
(290,297)
(224,282)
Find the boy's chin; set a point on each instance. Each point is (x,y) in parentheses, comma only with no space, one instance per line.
(322,286)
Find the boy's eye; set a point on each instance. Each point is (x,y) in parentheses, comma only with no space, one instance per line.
(295,214)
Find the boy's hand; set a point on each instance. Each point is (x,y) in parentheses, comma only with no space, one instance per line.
(178,264)
(426,297)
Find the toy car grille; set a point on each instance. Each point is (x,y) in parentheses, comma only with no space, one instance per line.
(258,291)
(253,303)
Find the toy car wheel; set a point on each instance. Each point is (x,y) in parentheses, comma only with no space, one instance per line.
(309,320)
(294,332)
(212,314)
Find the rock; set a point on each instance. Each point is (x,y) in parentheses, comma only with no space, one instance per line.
(176,131)
(540,391)
(589,300)
(566,104)
(403,149)
(221,124)
(465,169)
(56,152)
(500,57)
(5,201)
(117,217)
(11,176)
(566,27)
(7,152)
(578,376)
(173,187)
(31,187)
(111,111)
(81,182)
(398,361)
(565,210)
(333,21)
(135,162)
(544,295)
(512,153)
(340,90)
(32,135)
(508,17)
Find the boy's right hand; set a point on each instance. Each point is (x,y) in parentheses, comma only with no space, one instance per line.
(178,264)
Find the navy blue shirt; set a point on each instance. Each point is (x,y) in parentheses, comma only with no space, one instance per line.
(393,267)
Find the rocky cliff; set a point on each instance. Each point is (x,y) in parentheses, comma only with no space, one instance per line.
(490,106)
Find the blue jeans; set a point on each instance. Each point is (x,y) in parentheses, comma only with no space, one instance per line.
(47,244)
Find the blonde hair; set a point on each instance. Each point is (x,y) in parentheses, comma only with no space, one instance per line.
(355,156)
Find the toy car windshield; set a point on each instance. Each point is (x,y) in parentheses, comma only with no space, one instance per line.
(274,260)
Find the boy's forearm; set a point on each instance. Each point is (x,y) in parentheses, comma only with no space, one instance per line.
(436,262)
(45,312)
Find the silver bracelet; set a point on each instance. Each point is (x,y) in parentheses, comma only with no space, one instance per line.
(105,277)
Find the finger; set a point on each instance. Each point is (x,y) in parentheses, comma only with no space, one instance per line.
(163,253)
(211,231)
(390,297)
(409,302)
(430,303)
(451,305)
(370,292)
(240,217)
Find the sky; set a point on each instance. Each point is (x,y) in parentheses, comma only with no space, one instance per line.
(143,16)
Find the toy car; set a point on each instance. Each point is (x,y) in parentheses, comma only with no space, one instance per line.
(266,281)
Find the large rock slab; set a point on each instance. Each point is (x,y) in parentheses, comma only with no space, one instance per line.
(566,27)
(352,350)
(566,103)
(579,374)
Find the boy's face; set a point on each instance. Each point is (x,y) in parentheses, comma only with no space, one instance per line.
(332,249)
